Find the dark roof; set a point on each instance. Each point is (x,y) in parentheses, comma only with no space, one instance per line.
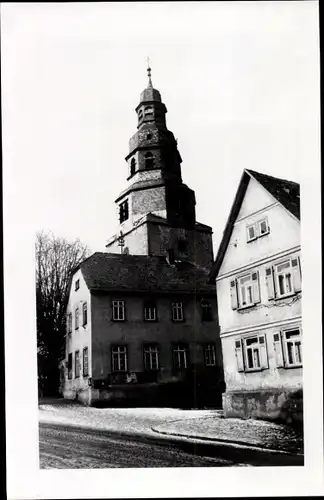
(119,272)
(286,192)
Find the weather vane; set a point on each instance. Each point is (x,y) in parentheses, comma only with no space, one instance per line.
(149,70)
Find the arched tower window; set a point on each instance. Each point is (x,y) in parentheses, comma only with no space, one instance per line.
(148,110)
(140,114)
(133,166)
(149,160)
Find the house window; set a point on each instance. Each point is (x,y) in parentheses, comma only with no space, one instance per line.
(288,348)
(77,364)
(70,365)
(149,160)
(263,227)
(151,357)
(150,310)
(133,166)
(123,211)
(76,318)
(283,279)
(245,291)
(69,323)
(118,310)
(177,311)
(251,232)
(77,284)
(85,313)
(180,356)
(85,362)
(206,310)
(251,353)
(292,346)
(258,229)
(210,355)
(119,358)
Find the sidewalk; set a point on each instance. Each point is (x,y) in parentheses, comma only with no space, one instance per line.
(209,426)
(252,433)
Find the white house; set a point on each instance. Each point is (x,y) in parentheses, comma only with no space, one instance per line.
(258,282)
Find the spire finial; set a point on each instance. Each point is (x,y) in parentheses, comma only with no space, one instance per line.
(149,72)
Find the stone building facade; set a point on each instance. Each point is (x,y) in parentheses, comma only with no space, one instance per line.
(258,280)
(150,331)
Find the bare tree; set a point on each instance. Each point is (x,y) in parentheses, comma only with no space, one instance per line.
(56,258)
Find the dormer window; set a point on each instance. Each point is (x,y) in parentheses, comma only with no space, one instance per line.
(148,110)
(149,160)
(123,211)
(133,166)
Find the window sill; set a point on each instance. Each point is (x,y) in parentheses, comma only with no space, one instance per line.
(252,239)
(288,367)
(76,328)
(118,320)
(286,296)
(84,325)
(248,306)
(178,320)
(253,370)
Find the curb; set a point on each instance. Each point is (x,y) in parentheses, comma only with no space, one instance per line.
(236,444)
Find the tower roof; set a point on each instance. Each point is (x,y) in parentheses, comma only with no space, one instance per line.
(150,94)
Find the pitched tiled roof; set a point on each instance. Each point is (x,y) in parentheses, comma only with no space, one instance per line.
(120,272)
(286,192)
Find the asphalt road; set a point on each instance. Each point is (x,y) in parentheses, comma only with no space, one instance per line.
(63,447)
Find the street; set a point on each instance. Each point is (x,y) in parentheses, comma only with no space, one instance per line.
(64,447)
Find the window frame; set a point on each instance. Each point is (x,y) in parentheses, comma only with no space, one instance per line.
(177,348)
(132,166)
(70,365)
(149,160)
(77,370)
(69,322)
(257,229)
(207,350)
(85,364)
(150,305)
(248,233)
(84,314)
(123,211)
(77,285)
(263,363)
(205,305)
(76,319)
(117,307)
(119,350)
(277,274)
(249,284)
(286,341)
(151,349)
(175,307)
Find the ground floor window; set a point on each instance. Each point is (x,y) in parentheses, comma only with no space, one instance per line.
(70,365)
(119,358)
(77,364)
(151,357)
(180,356)
(210,355)
(85,362)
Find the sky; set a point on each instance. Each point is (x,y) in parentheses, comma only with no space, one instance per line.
(240,82)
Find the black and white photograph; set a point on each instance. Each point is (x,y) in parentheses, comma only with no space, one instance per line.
(162,256)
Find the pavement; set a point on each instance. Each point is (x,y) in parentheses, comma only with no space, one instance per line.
(208,428)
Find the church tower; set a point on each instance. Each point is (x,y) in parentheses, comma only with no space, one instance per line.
(156,212)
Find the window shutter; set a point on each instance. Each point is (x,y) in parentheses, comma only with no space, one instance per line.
(295,265)
(233,294)
(256,287)
(239,355)
(263,352)
(270,283)
(277,347)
